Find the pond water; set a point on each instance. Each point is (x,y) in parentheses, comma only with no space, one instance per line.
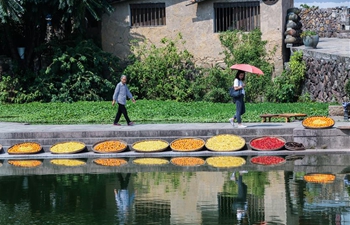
(174,197)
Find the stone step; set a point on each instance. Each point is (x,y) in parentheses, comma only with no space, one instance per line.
(46,143)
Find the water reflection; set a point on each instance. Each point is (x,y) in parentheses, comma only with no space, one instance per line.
(219,197)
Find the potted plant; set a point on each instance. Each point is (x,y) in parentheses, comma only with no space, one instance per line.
(310,38)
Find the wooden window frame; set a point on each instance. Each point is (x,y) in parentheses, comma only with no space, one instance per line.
(236,15)
(147,15)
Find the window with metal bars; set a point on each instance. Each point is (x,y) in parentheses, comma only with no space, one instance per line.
(147,14)
(236,15)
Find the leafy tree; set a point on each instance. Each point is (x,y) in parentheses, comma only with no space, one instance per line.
(24,23)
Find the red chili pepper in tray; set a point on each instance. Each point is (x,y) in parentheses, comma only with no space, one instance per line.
(267,143)
(267,160)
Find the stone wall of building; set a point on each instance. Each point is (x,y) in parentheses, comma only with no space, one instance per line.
(332,22)
(326,76)
(196,24)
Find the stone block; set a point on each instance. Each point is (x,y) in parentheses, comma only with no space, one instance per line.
(336,110)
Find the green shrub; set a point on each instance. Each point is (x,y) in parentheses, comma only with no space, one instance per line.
(162,73)
(287,87)
(249,48)
(82,72)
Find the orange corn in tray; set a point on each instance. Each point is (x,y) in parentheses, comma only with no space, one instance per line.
(318,121)
(110,146)
(187,161)
(187,144)
(110,162)
(25,163)
(26,147)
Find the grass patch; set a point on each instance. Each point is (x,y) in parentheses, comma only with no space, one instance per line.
(148,111)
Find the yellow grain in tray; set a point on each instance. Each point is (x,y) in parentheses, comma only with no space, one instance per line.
(151,145)
(225,142)
(225,161)
(150,161)
(67,147)
(67,162)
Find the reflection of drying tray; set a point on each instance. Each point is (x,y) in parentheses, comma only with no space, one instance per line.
(187,150)
(113,151)
(199,160)
(265,156)
(67,162)
(321,178)
(110,162)
(225,161)
(27,163)
(148,161)
(11,152)
(260,149)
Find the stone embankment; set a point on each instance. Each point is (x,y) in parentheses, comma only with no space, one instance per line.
(329,23)
(327,70)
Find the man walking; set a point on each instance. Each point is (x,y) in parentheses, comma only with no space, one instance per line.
(119,96)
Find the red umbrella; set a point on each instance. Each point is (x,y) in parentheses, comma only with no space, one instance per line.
(247,68)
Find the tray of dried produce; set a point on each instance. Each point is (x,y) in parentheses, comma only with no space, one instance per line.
(110,162)
(27,163)
(323,178)
(67,162)
(294,146)
(150,145)
(150,161)
(68,147)
(24,148)
(225,143)
(1,148)
(187,161)
(225,161)
(188,144)
(267,143)
(267,160)
(318,122)
(109,146)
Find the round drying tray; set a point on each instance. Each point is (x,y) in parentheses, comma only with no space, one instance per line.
(67,148)
(109,146)
(294,146)
(24,148)
(320,122)
(225,143)
(268,139)
(270,160)
(187,161)
(110,162)
(187,145)
(150,145)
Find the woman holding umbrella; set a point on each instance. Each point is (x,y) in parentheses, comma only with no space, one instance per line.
(238,84)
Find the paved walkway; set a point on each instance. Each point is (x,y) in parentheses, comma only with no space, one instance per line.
(332,46)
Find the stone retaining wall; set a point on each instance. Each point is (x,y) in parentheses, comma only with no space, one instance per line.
(332,22)
(326,76)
